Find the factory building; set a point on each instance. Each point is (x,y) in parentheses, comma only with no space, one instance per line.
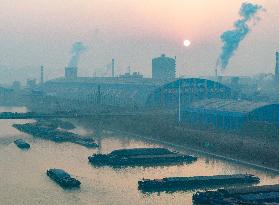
(71,73)
(31,83)
(7,96)
(131,91)
(163,67)
(191,89)
(228,114)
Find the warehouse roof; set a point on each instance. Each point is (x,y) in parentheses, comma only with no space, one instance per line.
(226,105)
(111,80)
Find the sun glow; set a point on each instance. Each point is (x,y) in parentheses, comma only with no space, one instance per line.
(187,43)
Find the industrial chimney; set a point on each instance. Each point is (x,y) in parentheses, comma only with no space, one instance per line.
(71,73)
(112,67)
(42,75)
(277,68)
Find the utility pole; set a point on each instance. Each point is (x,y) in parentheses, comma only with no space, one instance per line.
(179,101)
(112,68)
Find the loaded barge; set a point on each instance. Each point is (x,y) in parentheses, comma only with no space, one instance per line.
(140,157)
(63,178)
(20,143)
(186,183)
(56,135)
(257,195)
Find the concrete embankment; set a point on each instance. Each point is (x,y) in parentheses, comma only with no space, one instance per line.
(240,146)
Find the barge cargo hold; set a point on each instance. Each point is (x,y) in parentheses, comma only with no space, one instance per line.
(55,135)
(140,157)
(197,182)
(20,143)
(63,178)
(257,195)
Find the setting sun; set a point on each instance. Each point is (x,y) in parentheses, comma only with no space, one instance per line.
(187,43)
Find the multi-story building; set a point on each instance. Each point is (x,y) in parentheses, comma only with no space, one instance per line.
(163,68)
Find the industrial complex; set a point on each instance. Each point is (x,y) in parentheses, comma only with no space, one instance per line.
(217,101)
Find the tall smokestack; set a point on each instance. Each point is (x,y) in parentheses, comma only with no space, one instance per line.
(42,75)
(277,67)
(112,67)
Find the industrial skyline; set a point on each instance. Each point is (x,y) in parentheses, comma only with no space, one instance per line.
(152,29)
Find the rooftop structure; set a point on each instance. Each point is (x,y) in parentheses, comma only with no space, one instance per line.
(134,75)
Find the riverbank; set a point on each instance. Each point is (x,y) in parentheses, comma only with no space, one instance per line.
(247,147)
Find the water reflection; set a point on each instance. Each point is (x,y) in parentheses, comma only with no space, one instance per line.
(23,178)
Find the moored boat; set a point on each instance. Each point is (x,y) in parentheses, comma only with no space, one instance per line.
(140,157)
(180,183)
(254,195)
(63,178)
(20,143)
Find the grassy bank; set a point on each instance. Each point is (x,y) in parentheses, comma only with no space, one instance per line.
(255,143)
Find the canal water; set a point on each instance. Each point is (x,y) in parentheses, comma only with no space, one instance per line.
(23,177)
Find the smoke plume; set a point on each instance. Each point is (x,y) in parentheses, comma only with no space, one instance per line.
(77,49)
(232,38)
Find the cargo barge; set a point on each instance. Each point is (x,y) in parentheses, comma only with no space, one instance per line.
(196,182)
(20,143)
(63,178)
(55,135)
(140,157)
(255,195)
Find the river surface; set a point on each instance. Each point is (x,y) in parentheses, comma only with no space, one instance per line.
(23,177)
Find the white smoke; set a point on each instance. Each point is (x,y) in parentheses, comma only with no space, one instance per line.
(232,38)
(77,49)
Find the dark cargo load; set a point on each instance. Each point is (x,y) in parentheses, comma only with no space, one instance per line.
(184,183)
(22,144)
(255,195)
(63,178)
(140,157)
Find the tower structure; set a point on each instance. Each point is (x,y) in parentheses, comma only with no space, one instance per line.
(42,75)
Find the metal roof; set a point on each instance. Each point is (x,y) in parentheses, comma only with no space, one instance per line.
(111,80)
(226,105)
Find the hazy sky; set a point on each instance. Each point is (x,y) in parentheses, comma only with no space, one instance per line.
(35,32)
